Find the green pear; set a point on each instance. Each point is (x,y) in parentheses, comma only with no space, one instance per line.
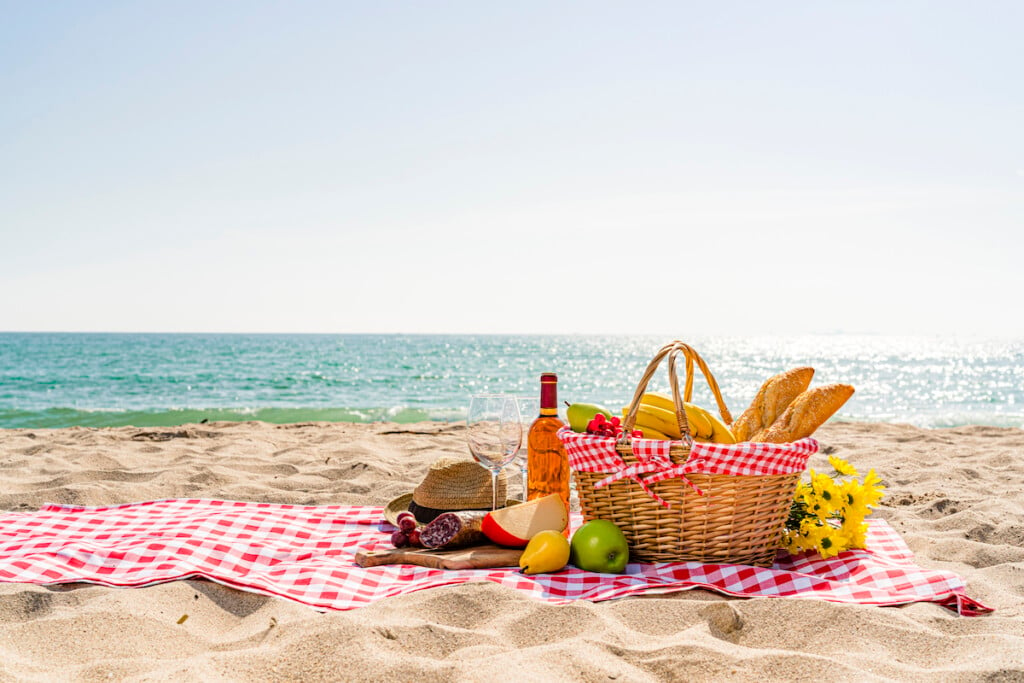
(580,414)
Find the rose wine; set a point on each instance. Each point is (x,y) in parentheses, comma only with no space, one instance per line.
(547,465)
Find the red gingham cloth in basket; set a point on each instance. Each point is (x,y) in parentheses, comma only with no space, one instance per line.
(305,554)
(591,453)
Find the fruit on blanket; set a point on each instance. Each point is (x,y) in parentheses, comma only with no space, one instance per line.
(599,546)
(547,551)
(580,414)
(515,525)
(399,539)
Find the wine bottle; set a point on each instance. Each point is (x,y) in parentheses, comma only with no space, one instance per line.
(547,465)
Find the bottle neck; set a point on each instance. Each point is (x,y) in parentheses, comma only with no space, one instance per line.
(548,395)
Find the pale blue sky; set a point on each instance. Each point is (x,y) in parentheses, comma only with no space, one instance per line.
(675,168)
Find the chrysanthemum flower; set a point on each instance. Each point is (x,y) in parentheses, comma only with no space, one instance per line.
(826,539)
(827,494)
(855,500)
(841,466)
(873,488)
(855,532)
(828,516)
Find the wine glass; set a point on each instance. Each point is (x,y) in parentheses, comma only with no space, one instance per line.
(529,409)
(494,432)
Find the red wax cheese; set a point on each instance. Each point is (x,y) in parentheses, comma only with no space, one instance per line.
(515,525)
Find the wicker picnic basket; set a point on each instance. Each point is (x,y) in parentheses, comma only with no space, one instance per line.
(738,519)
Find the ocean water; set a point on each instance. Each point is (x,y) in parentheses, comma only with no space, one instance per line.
(68,379)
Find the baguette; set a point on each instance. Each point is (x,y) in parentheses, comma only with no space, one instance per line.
(772,399)
(807,412)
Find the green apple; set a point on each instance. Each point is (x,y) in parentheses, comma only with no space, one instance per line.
(580,414)
(599,546)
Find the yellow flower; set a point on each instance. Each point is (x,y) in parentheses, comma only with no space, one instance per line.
(805,494)
(827,540)
(842,467)
(873,488)
(790,541)
(828,515)
(855,532)
(855,500)
(826,493)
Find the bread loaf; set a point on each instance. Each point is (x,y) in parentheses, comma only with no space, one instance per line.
(772,399)
(807,412)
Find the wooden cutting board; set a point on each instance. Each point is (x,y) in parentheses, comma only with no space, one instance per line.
(475,557)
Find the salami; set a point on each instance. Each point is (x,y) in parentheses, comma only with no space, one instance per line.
(453,530)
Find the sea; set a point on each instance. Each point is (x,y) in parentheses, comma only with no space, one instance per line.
(51,380)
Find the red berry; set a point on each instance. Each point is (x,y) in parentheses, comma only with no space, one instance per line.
(615,421)
(599,418)
(637,434)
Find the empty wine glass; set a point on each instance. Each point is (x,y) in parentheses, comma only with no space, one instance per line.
(494,432)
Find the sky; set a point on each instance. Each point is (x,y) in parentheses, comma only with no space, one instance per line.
(667,168)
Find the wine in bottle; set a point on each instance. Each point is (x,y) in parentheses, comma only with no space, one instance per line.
(547,464)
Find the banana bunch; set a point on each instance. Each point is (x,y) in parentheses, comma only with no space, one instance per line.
(656,418)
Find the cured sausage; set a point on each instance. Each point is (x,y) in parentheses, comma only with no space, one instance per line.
(454,530)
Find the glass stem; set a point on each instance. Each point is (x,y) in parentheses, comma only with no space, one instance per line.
(494,489)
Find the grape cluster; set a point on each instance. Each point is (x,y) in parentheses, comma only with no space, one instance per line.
(602,426)
(408,534)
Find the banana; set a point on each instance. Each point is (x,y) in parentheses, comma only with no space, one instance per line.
(722,434)
(658,411)
(651,432)
(659,400)
(702,422)
(659,419)
(664,419)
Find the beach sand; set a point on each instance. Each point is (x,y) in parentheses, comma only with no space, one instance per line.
(956,496)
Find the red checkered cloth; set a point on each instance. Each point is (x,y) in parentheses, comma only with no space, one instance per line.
(592,453)
(306,554)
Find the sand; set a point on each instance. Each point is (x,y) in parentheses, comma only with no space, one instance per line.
(956,496)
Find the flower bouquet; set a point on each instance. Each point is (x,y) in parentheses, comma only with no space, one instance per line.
(827,515)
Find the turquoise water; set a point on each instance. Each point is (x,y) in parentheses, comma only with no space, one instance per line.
(61,380)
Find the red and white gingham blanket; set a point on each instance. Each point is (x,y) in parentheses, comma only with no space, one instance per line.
(305,554)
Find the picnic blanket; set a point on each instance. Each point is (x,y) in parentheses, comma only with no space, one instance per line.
(305,554)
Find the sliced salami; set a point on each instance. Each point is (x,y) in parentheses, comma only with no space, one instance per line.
(453,530)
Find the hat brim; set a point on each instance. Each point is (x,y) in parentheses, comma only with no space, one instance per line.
(401,504)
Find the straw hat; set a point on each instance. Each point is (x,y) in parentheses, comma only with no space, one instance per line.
(450,484)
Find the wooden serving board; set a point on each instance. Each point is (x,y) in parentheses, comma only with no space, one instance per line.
(474,557)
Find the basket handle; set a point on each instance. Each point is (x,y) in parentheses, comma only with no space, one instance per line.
(672,350)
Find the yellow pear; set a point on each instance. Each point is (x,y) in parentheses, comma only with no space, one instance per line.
(547,551)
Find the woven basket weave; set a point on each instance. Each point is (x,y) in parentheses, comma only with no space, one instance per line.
(738,520)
